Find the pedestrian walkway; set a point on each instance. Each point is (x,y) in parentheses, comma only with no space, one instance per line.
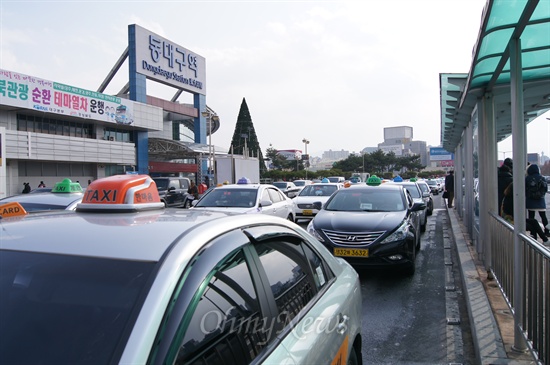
(491,320)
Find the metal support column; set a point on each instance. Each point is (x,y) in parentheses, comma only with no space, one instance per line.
(519,147)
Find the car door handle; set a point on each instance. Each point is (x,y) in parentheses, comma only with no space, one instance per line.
(342,326)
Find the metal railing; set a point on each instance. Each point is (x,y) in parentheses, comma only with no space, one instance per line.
(535,291)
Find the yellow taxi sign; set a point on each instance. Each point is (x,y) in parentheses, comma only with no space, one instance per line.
(13,209)
(121,193)
(67,186)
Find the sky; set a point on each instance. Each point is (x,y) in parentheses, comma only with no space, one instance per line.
(333,72)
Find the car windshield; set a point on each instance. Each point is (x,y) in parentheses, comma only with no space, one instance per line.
(373,200)
(238,198)
(299,183)
(280,185)
(318,190)
(431,182)
(66,309)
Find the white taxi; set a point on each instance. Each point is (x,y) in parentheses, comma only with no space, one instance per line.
(247,198)
(124,280)
(64,195)
(318,192)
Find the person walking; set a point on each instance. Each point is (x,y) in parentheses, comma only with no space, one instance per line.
(507,212)
(535,195)
(450,188)
(504,179)
(26,188)
(193,194)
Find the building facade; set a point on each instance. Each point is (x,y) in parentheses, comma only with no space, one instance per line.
(50,131)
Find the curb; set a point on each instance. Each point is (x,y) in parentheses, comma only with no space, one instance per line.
(488,343)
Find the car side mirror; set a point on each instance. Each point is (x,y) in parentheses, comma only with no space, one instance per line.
(266,203)
(426,194)
(171,189)
(317,205)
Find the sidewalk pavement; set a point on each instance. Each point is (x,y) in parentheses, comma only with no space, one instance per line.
(491,320)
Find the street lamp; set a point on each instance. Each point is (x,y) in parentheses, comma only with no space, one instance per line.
(210,116)
(306,142)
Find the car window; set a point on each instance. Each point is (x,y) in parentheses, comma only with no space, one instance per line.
(174,184)
(275,196)
(413,190)
(162,184)
(225,323)
(294,277)
(67,309)
(424,188)
(184,184)
(280,185)
(229,198)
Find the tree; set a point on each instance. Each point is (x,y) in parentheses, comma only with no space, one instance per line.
(244,141)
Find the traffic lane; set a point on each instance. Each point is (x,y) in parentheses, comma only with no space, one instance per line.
(405,318)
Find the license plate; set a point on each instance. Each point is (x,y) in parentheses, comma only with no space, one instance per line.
(351,252)
(307,212)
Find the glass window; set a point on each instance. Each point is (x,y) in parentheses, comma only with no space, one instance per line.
(275,196)
(58,309)
(290,277)
(226,325)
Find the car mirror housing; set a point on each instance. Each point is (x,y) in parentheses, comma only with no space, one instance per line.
(266,203)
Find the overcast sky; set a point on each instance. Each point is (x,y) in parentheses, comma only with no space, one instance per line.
(333,72)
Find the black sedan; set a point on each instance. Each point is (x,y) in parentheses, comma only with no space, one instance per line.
(371,226)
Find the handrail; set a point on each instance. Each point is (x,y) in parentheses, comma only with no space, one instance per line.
(535,295)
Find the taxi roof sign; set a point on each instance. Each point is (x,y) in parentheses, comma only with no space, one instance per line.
(121,193)
(67,186)
(12,209)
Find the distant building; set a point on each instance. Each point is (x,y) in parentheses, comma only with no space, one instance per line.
(335,155)
(399,140)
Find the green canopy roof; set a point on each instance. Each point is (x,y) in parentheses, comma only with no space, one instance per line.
(502,21)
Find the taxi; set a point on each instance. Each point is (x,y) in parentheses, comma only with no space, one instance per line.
(64,195)
(124,280)
(247,198)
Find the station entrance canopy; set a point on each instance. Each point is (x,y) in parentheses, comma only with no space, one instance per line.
(503,21)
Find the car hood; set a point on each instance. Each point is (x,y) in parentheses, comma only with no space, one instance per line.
(358,221)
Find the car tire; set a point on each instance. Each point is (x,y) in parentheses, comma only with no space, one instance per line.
(353,359)
(418,245)
(411,267)
(423,225)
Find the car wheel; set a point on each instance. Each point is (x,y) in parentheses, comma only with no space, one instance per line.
(411,267)
(352,359)
(418,244)
(423,225)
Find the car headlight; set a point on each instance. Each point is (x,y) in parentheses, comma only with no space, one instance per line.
(399,234)
(312,231)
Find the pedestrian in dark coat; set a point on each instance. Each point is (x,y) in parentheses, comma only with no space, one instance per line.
(507,212)
(450,188)
(505,178)
(26,188)
(534,205)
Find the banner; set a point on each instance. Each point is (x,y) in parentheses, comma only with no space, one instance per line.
(30,92)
